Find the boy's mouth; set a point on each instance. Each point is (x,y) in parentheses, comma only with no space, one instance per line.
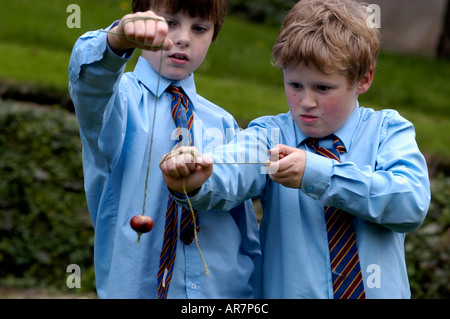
(308,119)
(179,58)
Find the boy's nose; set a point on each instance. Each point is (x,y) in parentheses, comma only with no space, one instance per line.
(307,100)
(182,39)
(183,43)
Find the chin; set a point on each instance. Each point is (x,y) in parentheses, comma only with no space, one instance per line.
(311,132)
(175,76)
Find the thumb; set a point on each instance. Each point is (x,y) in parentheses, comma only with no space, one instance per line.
(280,151)
(205,164)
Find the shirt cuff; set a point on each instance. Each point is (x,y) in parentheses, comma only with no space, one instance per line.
(182,197)
(317,176)
(111,60)
(128,53)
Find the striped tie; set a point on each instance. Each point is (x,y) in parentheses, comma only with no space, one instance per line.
(345,267)
(183,117)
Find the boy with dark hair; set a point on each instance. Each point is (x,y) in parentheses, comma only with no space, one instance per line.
(127,122)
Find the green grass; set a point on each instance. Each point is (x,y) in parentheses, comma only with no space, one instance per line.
(35,48)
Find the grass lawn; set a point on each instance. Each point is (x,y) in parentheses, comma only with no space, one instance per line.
(35,47)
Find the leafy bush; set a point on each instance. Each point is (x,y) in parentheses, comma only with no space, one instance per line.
(45,225)
(44,222)
(428,248)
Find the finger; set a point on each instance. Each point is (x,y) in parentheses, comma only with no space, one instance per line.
(205,162)
(189,162)
(281,168)
(160,32)
(126,26)
(184,169)
(277,178)
(163,166)
(171,168)
(281,151)
(180,162)
(274,155)
(150,27)
(139,31)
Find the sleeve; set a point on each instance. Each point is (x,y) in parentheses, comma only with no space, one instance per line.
(94,85)
(394,194)
(238,174)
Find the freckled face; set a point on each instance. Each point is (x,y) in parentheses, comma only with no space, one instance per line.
(319,103)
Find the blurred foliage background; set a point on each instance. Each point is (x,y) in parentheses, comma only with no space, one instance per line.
(44,222)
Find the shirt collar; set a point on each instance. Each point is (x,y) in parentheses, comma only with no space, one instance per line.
(344,133)
(148,76)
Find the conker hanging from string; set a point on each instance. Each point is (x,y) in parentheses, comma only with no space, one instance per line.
(141,224)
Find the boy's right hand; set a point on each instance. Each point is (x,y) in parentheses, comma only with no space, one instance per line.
(185,167)
(137,31)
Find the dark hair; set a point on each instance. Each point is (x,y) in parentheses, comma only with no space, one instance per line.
(212,10)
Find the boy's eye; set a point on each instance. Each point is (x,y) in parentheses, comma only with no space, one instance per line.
(170,23)
(323,88)
(199,29)
(296,85)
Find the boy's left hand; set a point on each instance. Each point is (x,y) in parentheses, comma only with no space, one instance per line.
(184,169)
(287,166)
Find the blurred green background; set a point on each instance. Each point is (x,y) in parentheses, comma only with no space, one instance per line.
(44,223)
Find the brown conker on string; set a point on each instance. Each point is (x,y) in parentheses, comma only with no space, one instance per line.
(141,224)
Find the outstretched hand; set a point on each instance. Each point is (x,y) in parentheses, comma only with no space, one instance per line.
(184,169)
(287,165)
(143,30)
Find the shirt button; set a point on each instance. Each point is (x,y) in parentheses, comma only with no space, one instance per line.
(193,286)
(309,189)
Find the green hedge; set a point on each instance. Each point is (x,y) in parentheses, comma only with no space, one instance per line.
(45,225)
(428,248)
(44,222)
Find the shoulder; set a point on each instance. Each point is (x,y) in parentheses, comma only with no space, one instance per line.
(275,121)
(386,121)
(207,106)
(385,115)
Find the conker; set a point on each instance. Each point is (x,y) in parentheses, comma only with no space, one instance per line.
(141,224)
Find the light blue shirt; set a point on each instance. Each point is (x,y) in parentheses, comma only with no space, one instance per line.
(115,113)
(382,180)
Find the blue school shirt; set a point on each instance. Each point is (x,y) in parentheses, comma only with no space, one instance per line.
(115,114)
(382,180)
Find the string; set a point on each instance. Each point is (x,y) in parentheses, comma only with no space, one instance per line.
(152,135)
(158,47)
(195,155)
(150,46)
(195,227)
(170,155)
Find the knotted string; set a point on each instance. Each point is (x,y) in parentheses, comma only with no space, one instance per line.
(158,47)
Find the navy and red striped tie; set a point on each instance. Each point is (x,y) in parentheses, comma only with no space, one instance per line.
(183,117)
(345,266)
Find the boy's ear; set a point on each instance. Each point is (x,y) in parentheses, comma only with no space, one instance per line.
(366,82)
